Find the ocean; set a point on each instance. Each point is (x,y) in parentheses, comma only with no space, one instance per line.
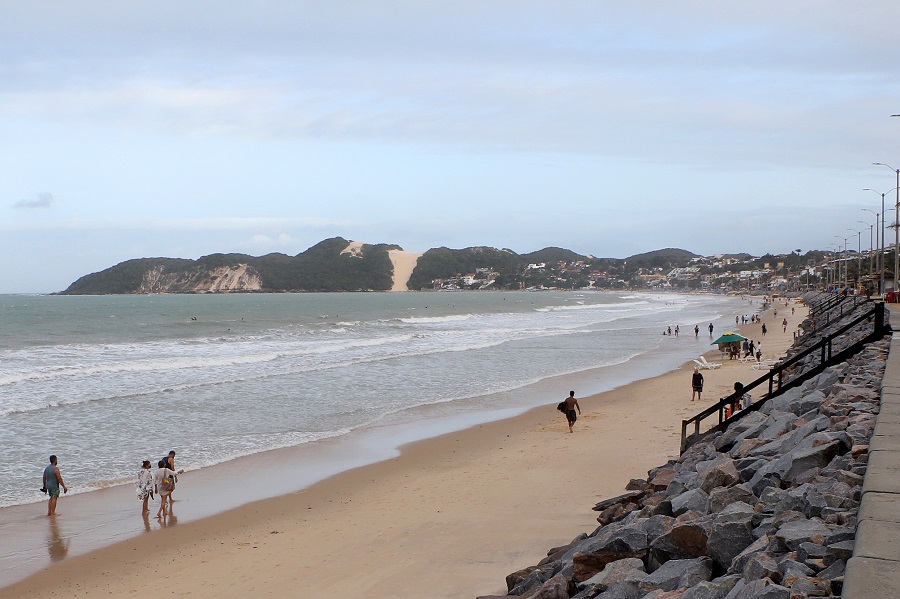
(108,381)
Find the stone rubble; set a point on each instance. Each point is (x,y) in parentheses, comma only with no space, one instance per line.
(767,509)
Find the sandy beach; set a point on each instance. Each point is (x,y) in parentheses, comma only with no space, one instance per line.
(449,518)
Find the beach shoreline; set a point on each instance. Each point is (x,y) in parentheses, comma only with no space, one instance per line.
(444,500)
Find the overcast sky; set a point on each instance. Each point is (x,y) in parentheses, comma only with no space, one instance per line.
(179,129)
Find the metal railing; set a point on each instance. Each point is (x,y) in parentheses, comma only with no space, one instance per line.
(776,376)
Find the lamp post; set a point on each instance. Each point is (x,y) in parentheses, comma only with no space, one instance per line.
(873,247)
(835,248)
(842,259)
(858,254)
(883,221)
(896,221)
(871,255)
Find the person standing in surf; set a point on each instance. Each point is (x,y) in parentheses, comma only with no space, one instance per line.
(53,480)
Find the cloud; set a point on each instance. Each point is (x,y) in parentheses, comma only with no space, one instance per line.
(267,243)
(700,83)
(41,200)
(177,224)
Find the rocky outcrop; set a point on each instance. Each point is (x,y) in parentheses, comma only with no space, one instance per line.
(224,279)
(766,509)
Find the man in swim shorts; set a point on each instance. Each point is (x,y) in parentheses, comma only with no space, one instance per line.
(53,480)
(696,383)
(571,404)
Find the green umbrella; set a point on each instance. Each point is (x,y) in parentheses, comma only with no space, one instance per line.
(729,338)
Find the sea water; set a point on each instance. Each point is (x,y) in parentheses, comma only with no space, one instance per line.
(108,381)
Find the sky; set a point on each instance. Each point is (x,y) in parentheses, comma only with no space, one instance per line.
(180,129)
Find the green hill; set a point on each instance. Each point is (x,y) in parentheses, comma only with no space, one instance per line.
(320,268)
(665,258)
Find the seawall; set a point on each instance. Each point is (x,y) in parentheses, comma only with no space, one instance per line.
(874,569)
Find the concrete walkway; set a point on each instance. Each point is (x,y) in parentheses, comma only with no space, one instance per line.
(874,569)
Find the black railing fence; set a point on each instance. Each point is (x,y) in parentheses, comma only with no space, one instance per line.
(776,380)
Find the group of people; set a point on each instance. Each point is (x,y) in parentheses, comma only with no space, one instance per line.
(150,483)
(744,319)
(752,349)
(674,332)
(670,331)
(741,402)
(160,482)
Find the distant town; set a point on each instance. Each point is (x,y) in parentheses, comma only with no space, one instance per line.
(718,274)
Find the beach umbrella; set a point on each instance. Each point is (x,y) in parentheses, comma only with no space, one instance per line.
(729,337)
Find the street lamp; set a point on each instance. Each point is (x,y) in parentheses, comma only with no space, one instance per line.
(858,254)
(896,221)
(843,259)
(883,221)
(871,247)
(835,265)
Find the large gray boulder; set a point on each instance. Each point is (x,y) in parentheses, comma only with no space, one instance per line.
(729,537)
(686,540)
(613,572)
(747,427)
(740,560)
(624,589)
(555,588)
(722,474)
(778,424)
(761,565)
(800,402)
(722,497)
(791,439)
(716,588)
(793,534)
(695,500)
(678,573)
(592,556)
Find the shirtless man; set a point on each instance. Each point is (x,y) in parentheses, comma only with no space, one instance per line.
(571,404)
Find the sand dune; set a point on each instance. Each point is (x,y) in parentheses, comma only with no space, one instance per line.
(404,264)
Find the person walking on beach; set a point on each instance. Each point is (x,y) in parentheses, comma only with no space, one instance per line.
(710,330)
(758,351)
(696,384)
(53,480)
(571,404)
(170,464)
(145,485)
(764,329)
(164,482)
(696,330)
(784,326)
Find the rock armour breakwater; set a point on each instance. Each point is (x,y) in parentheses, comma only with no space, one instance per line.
(767,509)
